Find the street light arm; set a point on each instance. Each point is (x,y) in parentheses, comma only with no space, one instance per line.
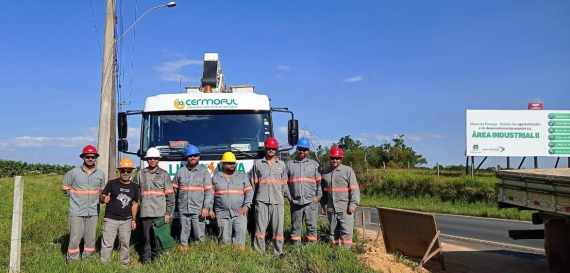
(171,4)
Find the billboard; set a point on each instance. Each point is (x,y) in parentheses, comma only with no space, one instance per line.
(517,133)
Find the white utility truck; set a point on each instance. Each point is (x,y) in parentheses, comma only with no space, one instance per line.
(211,117)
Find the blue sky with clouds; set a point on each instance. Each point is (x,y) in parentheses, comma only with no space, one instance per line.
(368,69)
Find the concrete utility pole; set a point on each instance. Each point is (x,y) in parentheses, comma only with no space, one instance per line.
(107,107)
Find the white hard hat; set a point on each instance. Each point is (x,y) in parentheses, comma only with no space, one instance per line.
(152,152)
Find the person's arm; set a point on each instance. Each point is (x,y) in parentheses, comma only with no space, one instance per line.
(67,183)
(134,211)
(353,192)
(208,196)
(284,185)
(319,193)
(170,197)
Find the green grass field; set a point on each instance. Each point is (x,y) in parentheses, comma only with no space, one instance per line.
(45,236)
(422,190)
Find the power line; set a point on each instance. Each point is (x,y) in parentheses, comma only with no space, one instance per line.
(96,32)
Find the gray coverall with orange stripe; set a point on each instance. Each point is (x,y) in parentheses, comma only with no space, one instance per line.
(157,200)
(194,189)
(304,186)
(341,191)
(270,184)
(83,191)
(229,198)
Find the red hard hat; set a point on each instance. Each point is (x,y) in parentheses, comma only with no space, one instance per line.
(336,152)
(271,142)
(89,149)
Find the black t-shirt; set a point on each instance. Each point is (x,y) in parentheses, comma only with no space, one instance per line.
(122,197)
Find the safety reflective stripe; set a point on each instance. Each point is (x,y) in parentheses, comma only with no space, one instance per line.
(336,241)
(73,250)
(88,249)
(346,241)
(254,180)
(310,238)
(222,192)
(75,191)
(303,179)
(174,185)
(318,178)
(278,237)
(66,187)
(157,192)
(248,188)
(273,181)
(336,189)
(191,188)
(295,238)
(259,235)
(354,187)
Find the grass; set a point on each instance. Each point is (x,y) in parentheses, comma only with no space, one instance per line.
(422,190)
(45,236)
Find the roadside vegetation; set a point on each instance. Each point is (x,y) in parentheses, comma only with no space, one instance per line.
(45,238)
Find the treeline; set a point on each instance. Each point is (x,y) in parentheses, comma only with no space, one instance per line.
(392,155)
(10,168)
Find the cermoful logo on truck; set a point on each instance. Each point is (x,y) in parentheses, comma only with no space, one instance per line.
(205,103)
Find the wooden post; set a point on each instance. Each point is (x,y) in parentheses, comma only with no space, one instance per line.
(16,239)
(408,166)
(384,164)
(437,163)
(472,166)
(364,224)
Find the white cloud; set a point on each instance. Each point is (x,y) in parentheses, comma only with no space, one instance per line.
(354,79)
(170,71)
(283,68)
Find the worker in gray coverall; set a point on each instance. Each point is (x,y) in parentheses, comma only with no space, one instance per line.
(341,197)
(193,185)
(82,185)
(305,192)
(269,177)
(232,200)
(157,199)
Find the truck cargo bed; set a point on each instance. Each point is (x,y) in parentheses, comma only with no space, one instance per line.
(540,189)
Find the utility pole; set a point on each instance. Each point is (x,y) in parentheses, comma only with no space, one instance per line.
(107,106)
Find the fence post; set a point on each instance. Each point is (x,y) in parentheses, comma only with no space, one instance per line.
(408,166)
(384,164)
(437,163)
(16,238)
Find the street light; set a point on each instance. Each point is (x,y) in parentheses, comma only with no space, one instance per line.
(106,139)
(169,5)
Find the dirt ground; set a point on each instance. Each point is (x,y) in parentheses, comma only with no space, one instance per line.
(457,258)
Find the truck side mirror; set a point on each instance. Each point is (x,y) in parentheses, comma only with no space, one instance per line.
(122,145)
(122,125)
(293,129)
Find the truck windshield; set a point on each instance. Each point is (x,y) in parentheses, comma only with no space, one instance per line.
(211,131)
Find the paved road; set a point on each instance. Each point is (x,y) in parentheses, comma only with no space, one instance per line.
(487,229)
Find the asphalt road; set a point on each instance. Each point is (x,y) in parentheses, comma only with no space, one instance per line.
(487,229)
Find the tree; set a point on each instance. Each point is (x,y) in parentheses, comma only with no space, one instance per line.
(400,154)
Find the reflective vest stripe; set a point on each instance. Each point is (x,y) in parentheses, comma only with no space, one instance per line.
(75,191)
(278,238)
(259,235)
(73,250)
(303,179)
(222,192)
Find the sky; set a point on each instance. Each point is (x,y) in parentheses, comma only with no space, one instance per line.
(368,69)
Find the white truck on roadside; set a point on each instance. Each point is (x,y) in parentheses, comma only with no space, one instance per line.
(548,192)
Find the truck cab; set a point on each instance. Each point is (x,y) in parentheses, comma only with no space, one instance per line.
(211,117)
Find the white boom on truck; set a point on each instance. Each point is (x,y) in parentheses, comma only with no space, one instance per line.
(211,117)
(548,192)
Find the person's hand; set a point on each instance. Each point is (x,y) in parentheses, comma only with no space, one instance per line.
(204,213)
(107,198)
(167,219)
(133,224)
(212,215)
(316,200)
(242,211)
(323,210)
(351,210)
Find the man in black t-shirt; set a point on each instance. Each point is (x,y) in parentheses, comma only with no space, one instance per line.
(121,197)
